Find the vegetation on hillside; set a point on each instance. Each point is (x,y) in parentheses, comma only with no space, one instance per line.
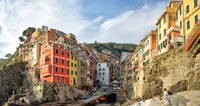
(115,48)
(12,59)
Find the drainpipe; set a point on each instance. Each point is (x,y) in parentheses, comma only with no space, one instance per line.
(183,26)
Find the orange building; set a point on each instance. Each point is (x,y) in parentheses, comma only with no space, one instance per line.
(154,50)
(54,60)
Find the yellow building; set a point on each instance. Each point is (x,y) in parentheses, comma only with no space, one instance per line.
(191,15)
(167,19)
(73,68)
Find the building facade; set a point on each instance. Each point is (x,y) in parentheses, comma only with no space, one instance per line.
(167,19)
(103,74)
(82,72)
(54,63)
(191,15)
(73,69)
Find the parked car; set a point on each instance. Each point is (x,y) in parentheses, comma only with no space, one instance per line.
(104,88)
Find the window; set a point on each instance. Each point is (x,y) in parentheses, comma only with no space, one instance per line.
(195,3)
(160,25)
(103,73)
(67,62)
(72,57)
(62,61)
(103,69)
(56,60)
(99,65)
(75,58)
(68,54)
(180,11)
(71,72)
(99,73)
(188,9)
(188,25)
(58,79)
(56,69)
(75,73)
(56,51)
(72,64)
(180,24)
(67,71)
(62,70)
(81,70)
(196,18)
(161,46)
(165,32)
(63,52)
(159,36)
(75,65)
(99,69)
(102,78)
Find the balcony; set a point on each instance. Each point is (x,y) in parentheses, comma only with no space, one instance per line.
(177,40)
(173,28)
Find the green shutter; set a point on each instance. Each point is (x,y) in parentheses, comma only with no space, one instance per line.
(195,3)
(196,18)
(180,24)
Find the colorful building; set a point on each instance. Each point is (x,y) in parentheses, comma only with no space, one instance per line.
(54,62)
(154,50)
(191,15)
(191,24)
(146,49)
(167,19)
(73,67)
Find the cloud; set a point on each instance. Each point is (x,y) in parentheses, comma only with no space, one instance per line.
(130,26)
(18,15)
(66,15)
(1,29)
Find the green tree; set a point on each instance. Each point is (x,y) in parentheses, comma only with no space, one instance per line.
(21,38)
(27,33)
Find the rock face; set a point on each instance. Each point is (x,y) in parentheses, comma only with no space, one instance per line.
(175,70)
(45,92)
(12,78)
(185,98)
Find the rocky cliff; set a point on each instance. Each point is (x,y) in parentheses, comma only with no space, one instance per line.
(185,98)
(13,78)
(177,70)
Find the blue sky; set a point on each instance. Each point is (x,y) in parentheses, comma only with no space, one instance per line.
(121,21)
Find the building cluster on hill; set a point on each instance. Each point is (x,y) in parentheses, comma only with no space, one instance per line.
(54,56)
(179,25)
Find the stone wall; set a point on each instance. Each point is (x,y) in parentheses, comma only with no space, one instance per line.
(175,70)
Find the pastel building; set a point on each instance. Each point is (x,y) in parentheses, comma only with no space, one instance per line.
(73,67)
(167,19)
(191,15)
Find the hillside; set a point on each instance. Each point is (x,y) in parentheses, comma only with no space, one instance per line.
(115,48)
(1,60)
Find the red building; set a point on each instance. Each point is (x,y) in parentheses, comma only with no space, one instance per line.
(54,62)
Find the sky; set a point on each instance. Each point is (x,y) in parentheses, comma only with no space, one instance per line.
(120,21)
